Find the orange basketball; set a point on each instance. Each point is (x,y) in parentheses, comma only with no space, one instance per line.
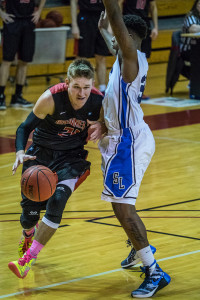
(47,23)
(38,183)
(56,16)
(38,24)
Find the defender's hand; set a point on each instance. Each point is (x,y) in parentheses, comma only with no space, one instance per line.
(103,21)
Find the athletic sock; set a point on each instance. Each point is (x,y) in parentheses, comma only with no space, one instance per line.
(147,258)
(18,89)
(36,247)
(2,89)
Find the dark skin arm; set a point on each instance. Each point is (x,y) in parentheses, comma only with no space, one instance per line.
(127,45)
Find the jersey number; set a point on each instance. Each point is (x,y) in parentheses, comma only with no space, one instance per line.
(69,131)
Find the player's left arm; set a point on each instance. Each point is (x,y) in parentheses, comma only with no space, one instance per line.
(154,15)
(129,66)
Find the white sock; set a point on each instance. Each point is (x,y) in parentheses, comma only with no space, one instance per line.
(102,87)
(147,258)
(136,256)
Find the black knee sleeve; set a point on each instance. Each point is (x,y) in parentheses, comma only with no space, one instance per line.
(29,218)
(56,204)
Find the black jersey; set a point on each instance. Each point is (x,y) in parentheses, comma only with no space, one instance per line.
(67,128)
(91,6)
(138,7)
(20,8)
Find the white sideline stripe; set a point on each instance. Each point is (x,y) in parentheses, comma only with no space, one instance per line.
(176,140)
(58,284)
(87,277)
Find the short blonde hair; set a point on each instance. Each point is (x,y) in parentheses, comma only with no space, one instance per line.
(80,68)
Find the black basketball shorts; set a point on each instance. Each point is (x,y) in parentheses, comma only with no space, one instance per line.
(19,37)
(91,41)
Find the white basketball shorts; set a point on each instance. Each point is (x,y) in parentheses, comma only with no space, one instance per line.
(125,159)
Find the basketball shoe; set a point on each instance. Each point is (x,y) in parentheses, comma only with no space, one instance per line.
(2,102)
(133,259)
(19,101)
(26,241)
(152,282)
(21,267)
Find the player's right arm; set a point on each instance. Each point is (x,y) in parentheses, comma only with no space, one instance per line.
(43,107)
(75,28)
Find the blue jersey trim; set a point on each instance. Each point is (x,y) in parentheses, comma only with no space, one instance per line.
(120,172)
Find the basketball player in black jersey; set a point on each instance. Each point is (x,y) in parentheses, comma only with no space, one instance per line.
(60,121)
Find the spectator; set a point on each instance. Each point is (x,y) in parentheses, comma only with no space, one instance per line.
(86,33)
(142,8)
(191,24)
(19,19)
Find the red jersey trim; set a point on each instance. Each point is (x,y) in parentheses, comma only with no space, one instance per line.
(96,91)
(58,88)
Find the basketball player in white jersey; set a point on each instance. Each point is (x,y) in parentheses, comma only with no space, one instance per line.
(128,146)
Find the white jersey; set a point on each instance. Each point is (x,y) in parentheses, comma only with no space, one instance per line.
(122,100)
(128,147)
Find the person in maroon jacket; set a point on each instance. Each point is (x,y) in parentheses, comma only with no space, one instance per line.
(60,121)
(19,19)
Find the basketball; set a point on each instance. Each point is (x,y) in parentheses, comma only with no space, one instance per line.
(56,17)
(47,23)
(38,183)
(38,24)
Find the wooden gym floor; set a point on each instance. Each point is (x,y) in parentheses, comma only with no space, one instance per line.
(82,260)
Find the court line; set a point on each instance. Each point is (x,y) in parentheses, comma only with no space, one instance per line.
(9,127)
(176,140)
(87,277)
(5,166)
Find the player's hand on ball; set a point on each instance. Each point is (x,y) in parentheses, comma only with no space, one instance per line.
(20,158)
